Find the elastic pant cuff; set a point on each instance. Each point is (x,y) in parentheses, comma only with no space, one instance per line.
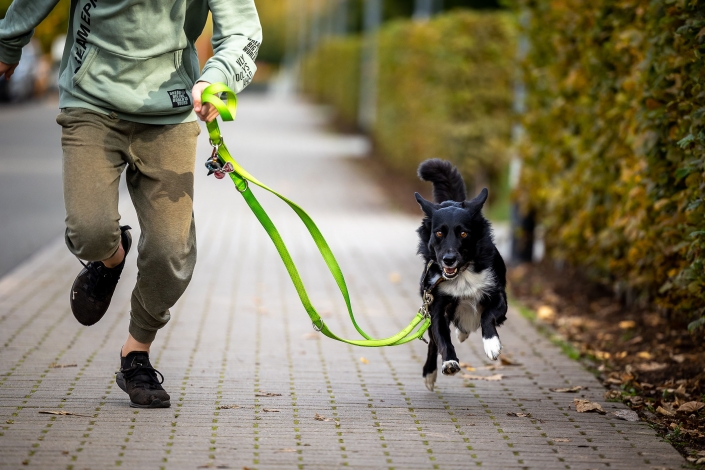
(140,334)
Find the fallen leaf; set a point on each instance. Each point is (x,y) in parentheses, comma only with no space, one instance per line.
(286,450)
(507,361)
(490,378)
(663,411)
(490,367)
(585,406)
(364,361)
(318,417)
(519,415)
(228,407)
(546,313)
(627,324)
(681,393)
(635,340)
(602,355)
(700,461)
(464,365)
(54,365)
(627,415)
(635,401)
(651,366)
(612,395)
(10,421)
(561,439)
(574,389)
(691,407)
(267,394)
(394,277)
(310,336)
(270,410)
(645,355)
(679,358)
(63,413)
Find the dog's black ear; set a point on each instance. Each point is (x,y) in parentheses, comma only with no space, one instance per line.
(475,205)
(426,206)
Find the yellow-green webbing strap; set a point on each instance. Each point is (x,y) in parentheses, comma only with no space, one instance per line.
(241,178)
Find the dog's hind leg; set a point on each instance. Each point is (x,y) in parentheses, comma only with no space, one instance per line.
(430,369)
(462,336)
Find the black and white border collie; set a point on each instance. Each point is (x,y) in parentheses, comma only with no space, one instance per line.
(463,272)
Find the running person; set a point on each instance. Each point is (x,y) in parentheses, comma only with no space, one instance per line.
(130,94)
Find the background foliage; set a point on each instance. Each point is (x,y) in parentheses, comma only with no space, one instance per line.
(332,75)
(613,155)
(444,90)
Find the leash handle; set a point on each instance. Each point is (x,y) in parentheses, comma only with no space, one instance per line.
(241,178)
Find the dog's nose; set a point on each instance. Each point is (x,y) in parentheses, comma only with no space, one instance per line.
(449,260)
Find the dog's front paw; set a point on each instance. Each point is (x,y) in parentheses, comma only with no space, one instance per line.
(450,368)
(430,379)
(492,347)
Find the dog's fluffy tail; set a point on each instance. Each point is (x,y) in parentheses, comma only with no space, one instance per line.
(448,185)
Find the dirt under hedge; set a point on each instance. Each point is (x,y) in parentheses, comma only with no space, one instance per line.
(644,359)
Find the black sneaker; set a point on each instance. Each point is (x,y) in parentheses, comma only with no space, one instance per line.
(139,379)
(93,288)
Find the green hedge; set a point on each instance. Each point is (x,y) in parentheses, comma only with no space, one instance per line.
(332,75)
(444,91)
(613,158)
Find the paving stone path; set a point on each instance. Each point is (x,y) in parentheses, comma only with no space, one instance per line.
(252,385)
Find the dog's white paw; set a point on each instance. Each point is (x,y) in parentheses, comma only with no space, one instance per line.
(430,379)
(461,336)
(492,347)
(450,368)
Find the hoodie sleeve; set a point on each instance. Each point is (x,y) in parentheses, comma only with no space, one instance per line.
(17,27)
(237,35)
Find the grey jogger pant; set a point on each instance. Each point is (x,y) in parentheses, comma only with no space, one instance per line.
(160,163)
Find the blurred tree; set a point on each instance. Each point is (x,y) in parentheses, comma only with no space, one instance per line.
(273,16)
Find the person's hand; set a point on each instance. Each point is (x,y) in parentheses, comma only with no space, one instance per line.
(206,112)
(7,69)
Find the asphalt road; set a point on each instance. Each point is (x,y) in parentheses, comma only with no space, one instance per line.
(31,198)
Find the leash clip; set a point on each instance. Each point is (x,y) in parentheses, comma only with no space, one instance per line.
(427,301)
(215,164)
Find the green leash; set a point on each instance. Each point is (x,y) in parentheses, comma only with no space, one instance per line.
(221,162)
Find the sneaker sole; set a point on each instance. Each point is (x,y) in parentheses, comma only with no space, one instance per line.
(120,381)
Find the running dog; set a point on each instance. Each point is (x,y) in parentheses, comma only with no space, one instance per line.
(464,273)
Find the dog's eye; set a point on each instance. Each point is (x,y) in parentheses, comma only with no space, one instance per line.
(463,234)
(439,234)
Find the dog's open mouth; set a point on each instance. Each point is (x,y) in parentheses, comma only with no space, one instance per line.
(449,272)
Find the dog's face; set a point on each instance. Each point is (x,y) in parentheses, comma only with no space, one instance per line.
(453,228)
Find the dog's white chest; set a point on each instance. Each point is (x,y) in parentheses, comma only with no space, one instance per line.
(469,285)
(469,288)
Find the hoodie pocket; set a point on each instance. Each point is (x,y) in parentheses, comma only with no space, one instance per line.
(146,86)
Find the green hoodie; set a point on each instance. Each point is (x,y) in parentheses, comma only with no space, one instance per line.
(137,58)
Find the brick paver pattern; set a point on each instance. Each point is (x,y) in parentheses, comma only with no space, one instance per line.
(248,375)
